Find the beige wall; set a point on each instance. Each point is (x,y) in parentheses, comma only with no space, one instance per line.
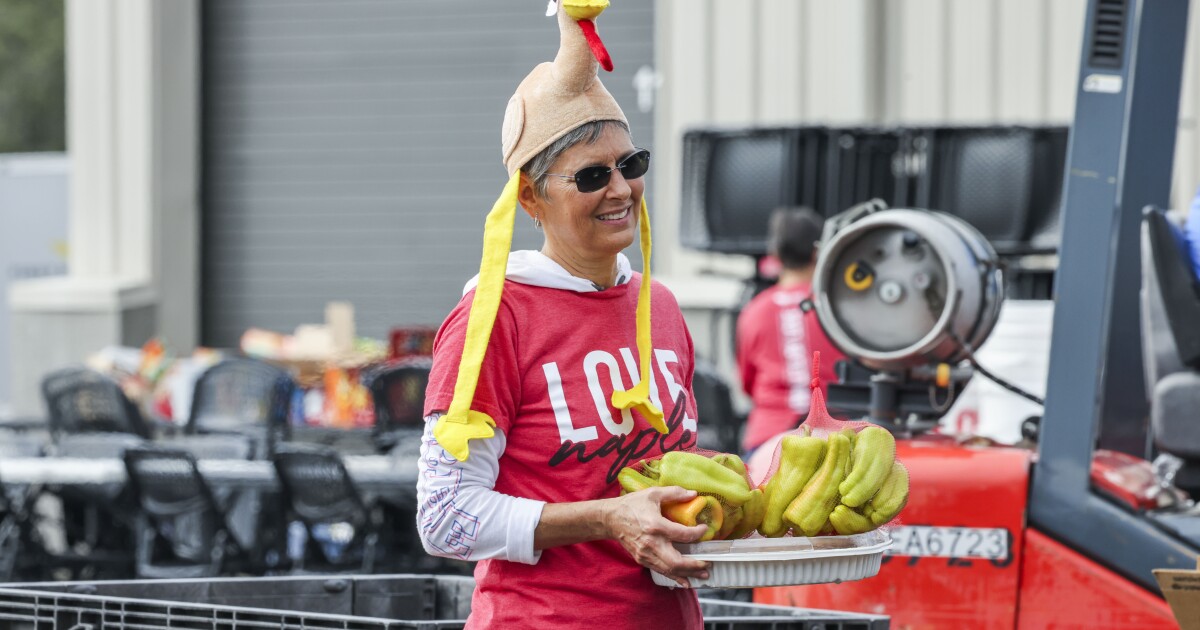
(844,62)
(749,62)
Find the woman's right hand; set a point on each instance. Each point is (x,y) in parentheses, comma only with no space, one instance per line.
(636,521)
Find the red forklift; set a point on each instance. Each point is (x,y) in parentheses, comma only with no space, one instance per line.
(1067,534)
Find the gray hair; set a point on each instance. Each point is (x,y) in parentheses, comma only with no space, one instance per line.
(538,167)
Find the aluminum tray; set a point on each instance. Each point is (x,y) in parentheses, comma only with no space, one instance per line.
(754,562)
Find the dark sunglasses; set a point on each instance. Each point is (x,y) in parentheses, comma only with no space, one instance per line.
(594,178)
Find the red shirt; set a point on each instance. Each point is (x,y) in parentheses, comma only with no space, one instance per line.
(775,342)
(553,361)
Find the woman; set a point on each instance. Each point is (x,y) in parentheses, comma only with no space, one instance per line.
(555,370)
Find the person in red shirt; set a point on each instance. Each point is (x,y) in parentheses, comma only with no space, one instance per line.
(776,339)
(556,369)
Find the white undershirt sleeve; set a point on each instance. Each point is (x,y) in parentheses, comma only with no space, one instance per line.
(459,513)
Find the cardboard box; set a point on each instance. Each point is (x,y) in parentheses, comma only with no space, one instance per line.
(1182,590)
(314,348)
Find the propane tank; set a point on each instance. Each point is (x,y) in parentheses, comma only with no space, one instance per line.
(901,288)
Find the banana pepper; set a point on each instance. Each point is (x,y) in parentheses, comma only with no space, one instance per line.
(752,515)
(632,481)
(809,512)
(799,458)
(651,468)
(733,518)
(732,462)
(702,510)
(699,473)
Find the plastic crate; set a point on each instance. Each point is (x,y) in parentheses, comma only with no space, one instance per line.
(1005,181)
(864,164)
(733,179)
(392,602)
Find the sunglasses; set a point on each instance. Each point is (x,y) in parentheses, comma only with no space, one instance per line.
(594,178)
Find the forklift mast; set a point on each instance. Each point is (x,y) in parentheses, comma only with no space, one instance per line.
(1122,145)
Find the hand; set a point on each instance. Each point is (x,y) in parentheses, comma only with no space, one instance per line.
(636,521)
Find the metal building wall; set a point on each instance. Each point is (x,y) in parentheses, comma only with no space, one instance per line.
(874,62)
(851,62)
(352,150)
(289,93)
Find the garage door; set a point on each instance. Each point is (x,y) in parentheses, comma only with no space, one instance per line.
(352,149)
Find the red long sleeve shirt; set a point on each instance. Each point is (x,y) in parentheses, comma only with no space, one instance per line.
(775,342)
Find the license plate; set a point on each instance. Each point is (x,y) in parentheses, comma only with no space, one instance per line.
(950,542)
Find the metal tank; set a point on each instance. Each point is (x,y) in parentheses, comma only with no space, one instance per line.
(904,288)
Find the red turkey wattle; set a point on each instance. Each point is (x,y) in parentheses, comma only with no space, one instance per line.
(597,46)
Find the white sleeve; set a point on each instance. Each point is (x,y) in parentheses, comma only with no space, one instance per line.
(460,515)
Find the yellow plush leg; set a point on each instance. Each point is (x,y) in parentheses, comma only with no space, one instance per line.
(639,397)
(461,424)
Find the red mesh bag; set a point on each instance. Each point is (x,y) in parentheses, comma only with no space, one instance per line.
(829,476)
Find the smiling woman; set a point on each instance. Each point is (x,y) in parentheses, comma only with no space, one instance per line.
(588,217)
(556,369)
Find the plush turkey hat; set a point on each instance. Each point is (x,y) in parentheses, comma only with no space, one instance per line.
(555,98)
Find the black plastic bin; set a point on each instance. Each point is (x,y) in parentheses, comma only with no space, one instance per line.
(389,602)
(868,163)
(733,179)
(1005,181)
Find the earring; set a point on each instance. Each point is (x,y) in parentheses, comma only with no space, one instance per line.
(537,222)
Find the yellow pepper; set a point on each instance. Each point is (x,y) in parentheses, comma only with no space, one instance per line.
(652,468)
(752,515)
(733,517)
(632,481)
(702,510)
(799,459)
(699,473)
(732,462)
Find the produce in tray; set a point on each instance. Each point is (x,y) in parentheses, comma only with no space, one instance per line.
(725,501)
(821,486)
(844,480)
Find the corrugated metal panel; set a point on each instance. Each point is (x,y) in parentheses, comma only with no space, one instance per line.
(352,150)
(841,46)
(770,62)
(778,53)
(874,61)
(971,69)
(1066,34)
(757,62)
(982,61)
(1024,46)
(917,47)
(1187,144)
(734,63)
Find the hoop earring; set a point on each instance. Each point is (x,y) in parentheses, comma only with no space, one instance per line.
(537,223)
